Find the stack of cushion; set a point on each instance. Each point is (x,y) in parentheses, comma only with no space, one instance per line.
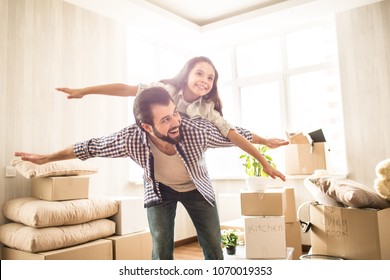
(39,225)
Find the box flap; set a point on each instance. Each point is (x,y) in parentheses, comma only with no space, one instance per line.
(317,136)
(297,138)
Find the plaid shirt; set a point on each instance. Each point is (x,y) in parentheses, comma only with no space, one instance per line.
(197,136)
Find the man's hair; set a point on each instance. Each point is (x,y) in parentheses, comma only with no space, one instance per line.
(144,101)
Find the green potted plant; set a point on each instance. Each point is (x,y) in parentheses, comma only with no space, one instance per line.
(230,240)
(257,179)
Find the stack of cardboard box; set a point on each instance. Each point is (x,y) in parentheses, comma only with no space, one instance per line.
(269,223)
(265,233)
(132,239)
(293,227)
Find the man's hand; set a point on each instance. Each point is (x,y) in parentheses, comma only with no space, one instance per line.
(34,158)
(67,153)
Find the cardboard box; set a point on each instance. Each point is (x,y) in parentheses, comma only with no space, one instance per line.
(298,138)
(136,246)
(265,237)
(271,202)
(294,239)
(305,158)
(100,249)
(350,233)
(60,188)
(290,214)
(131,216)
(293,234)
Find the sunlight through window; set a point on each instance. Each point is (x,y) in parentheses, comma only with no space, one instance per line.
(286,82)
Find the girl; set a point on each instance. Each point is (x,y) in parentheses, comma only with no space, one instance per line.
(195,93)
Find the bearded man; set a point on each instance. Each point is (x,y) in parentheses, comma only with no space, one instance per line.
(171,150)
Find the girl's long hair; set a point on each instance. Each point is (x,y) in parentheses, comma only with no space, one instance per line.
(180,80)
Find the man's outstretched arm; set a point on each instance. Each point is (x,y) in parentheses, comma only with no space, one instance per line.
(67,153)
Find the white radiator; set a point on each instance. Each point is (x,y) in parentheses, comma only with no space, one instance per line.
(229,206)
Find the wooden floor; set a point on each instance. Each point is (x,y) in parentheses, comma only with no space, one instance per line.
(191,251)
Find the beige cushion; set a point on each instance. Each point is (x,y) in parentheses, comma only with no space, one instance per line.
(25,238)
(41,213)
(350,193)
(318,194)
(56,168)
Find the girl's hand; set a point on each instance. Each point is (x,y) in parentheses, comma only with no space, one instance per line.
(276,143)
(272,172)
(72,93)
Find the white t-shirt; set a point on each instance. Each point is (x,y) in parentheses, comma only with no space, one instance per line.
(170,171)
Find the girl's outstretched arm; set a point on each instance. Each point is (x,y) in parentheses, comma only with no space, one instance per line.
(248,147)
(108,89)
(269,142)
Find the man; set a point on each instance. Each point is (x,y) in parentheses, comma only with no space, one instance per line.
(171,150)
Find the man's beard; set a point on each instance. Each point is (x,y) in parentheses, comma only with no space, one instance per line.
(166,138)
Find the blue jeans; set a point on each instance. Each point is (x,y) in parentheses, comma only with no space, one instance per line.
(205,217)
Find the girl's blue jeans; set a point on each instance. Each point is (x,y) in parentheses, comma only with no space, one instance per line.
(204,216)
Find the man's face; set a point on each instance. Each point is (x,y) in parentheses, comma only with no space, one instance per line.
(166,123)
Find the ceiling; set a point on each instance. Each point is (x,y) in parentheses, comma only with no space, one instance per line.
(188,24)
(202,12)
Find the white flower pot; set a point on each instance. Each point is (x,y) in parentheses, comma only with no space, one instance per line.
(258,183)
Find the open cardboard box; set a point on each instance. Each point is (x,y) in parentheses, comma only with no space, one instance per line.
(350,233)
(305,153)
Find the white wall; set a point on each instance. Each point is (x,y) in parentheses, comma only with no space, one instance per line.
(364,51)
(48,44)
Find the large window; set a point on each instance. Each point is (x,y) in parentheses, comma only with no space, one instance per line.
(311,46)
(260,57)
(287,82)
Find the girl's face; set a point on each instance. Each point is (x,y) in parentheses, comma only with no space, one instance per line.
(199,82)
